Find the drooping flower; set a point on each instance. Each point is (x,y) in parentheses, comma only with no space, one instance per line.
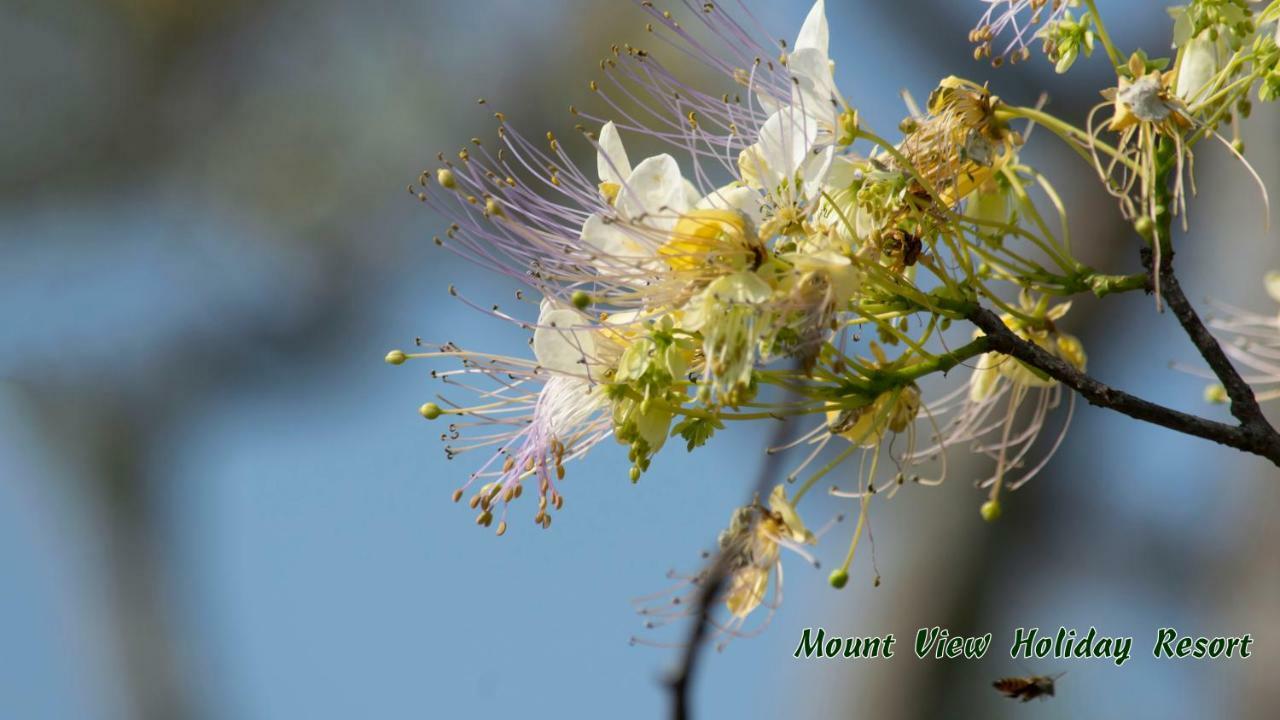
(961,143)
(751,547)
(1008,403)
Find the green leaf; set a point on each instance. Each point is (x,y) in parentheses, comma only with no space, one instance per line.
(696,431)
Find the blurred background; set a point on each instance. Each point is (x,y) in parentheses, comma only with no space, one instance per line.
(216,500)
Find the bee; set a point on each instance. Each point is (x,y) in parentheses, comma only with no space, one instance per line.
(1027,688)
(903,246)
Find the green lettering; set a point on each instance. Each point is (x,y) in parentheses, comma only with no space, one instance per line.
(808,646)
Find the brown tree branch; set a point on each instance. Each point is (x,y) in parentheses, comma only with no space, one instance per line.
(1250,438)
(1244,404)
(681,680)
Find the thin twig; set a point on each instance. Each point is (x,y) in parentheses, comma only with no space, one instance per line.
(681,680)
(1244,404)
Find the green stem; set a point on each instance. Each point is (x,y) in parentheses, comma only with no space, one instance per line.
(1104,285)
(1116,58)
(940,363)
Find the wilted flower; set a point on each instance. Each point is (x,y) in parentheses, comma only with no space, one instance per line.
(751,547)
(1008,403)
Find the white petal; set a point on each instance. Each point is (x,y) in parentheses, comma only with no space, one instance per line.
(814,33)
(785,139)
(823,260)
(815,173)
(843,172)
(741,288)
(691,194)
(815,88)
(657,190)
(624,317)
(1198,66)
(611,241)
(735,197)
(562,341)
(611,159)
(983,381)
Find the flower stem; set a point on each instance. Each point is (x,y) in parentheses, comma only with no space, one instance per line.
(1116,58)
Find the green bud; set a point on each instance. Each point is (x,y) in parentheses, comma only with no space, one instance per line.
(444,176)
(839,578)
(635,474)
(396,357)
(990,510)
(848,127)
(581,300)
(1215,394)
(430,411)
(1144,226)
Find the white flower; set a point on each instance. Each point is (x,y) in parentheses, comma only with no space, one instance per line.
(562,342)
(1197,65)
(611,159)
(732,313)
(814,90)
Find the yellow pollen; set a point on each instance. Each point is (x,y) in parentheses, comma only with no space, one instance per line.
(701,232)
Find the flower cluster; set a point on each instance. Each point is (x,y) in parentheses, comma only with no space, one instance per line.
(783,260)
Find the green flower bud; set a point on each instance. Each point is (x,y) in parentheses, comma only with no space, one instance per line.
(990,510)
(839,578)
(1144,226)
(430,411)
(1215,394)
(396,357)
(581,300)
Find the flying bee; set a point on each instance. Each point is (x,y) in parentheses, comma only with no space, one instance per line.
(1027,688)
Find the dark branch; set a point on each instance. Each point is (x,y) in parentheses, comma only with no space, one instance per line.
(1244,405)
(1258,441)
(681,679)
